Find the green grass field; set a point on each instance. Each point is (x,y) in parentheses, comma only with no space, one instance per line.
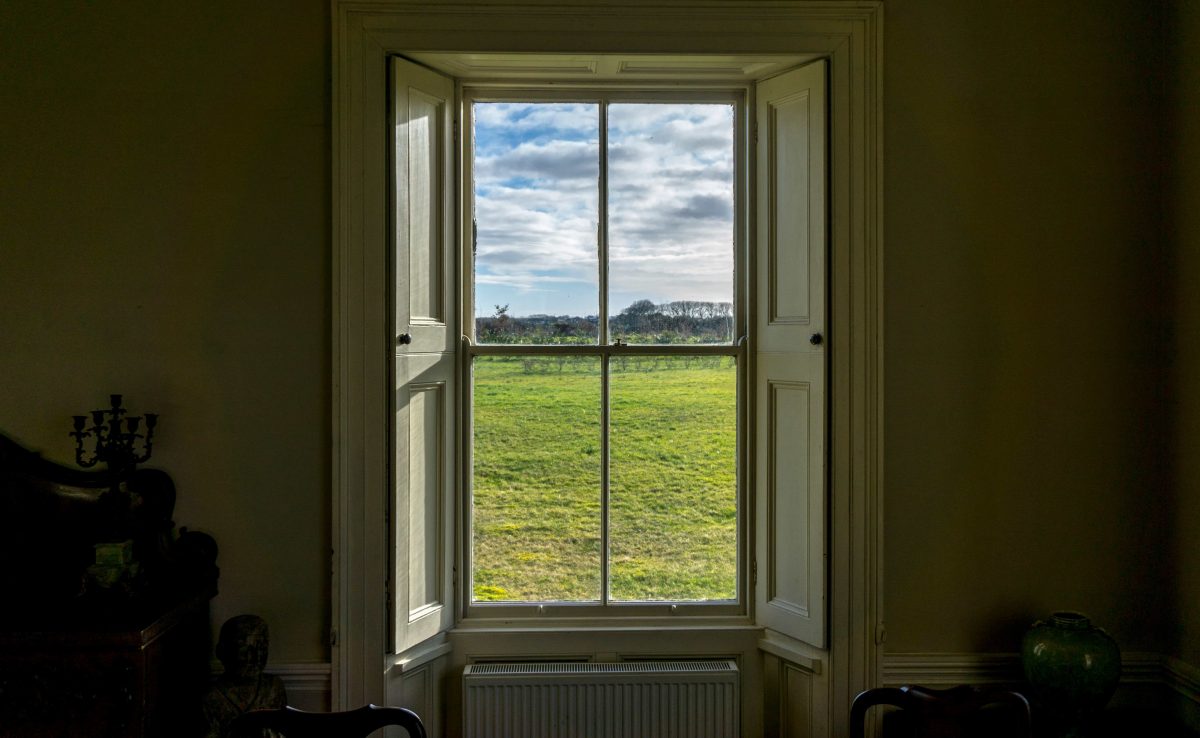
(537,457)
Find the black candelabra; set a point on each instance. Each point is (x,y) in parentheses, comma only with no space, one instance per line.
(114,445)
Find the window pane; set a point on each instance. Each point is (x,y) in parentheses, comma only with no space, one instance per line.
(670,195)
(537,174)
(673,478)
(536,515)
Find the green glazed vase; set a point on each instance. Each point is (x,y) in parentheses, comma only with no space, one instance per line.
(1072,666)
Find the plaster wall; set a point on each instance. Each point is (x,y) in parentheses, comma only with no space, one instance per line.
(164,232)
(1185,89)
(1024,327)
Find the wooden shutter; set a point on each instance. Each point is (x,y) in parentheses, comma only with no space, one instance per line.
(791,568)
(425,339)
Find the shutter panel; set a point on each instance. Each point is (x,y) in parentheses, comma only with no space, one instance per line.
(425,368)
(790,501)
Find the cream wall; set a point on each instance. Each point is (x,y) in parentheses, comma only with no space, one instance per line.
(1185,212)
(1024,375)
(177,155)
(164,232)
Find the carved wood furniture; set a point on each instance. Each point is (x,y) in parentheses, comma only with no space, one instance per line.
(85,657)
(108,679)
(964,712)
(293,723)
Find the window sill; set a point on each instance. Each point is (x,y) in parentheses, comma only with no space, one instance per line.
(608,624)
(421,655)
(791,650)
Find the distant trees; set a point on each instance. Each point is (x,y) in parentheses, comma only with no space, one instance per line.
(697,309)
(640,308)
(504,328)
(679,321)
(500,318)
(643,321)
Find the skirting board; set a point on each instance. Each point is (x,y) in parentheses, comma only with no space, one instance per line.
(1182,677)
(944,669)
(936,669)
(307,684)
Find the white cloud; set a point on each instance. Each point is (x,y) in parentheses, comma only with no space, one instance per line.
(520,118)
(670,203)
(559,161)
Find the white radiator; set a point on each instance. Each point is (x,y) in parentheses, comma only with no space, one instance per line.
(636,699)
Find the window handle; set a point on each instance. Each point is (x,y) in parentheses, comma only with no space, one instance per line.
(405,338)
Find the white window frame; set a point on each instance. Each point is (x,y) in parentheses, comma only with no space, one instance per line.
(848,34)
(735,95)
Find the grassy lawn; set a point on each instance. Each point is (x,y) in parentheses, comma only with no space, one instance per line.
(673,506)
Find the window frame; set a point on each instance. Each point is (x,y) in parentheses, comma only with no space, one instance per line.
(740,95)
(849,33)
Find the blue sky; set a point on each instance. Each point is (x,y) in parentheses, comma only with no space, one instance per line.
(536,205)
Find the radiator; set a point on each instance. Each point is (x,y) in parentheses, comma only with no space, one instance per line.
(637,699)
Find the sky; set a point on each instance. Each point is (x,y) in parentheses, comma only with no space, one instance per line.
(670,204)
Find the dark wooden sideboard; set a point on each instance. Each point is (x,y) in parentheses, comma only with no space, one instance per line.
(107,678)
(80,656)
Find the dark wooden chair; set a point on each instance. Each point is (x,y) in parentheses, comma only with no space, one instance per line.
(964,712)
(293,723)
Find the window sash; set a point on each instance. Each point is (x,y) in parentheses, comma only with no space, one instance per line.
(605,606)
(623,612)
(604,96)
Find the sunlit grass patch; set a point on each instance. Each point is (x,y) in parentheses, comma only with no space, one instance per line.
(537,508)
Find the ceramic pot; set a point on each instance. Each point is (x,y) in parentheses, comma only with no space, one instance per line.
(1072,666)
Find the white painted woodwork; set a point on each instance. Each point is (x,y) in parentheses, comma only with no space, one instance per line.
(422,509)
(679,91)
(423,205)
(796,700)
(425,371)
(791,121)
(306,683)
(790,370)
(416,680)
(365,35)
(624,68)
(792,700)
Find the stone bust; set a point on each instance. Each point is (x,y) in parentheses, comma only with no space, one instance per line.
(242,649)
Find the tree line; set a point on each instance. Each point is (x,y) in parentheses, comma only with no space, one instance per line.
(643,321)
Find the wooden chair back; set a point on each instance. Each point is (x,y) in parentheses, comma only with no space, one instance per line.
(293,723)
(959,712)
